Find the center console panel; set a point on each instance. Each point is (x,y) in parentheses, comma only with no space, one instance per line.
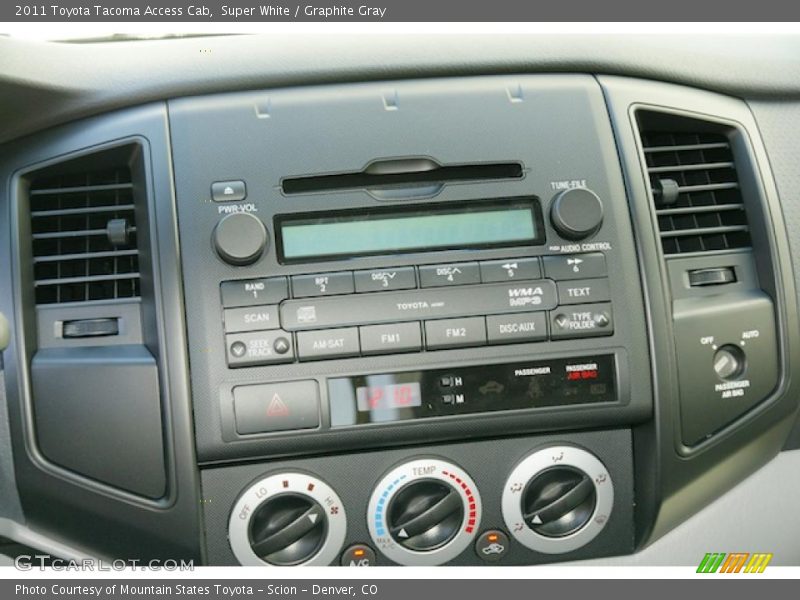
(381,264)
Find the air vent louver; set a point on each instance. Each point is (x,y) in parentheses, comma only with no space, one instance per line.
(83,233)
(695,187)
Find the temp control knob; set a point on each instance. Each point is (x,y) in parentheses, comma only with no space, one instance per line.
(576,213)
(557,499)
(424,512)
(287,519)
(240,239)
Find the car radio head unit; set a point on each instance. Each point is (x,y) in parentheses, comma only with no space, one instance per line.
(388,282)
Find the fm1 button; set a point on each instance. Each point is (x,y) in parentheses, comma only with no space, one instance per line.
(492,545)
(358,555)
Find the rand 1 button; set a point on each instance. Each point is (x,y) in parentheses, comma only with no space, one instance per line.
(511,329)
(391,338)
(583,291)
(511,269)
(328,343)
(581,320)
(250,318)
(322,284)
(228,191)
(575,266)
(419,305)
(380,280)
(259,348)
(455,333)
(253,292)
(276,407)
(450,274)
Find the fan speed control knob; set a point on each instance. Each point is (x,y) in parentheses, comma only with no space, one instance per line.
(287,519)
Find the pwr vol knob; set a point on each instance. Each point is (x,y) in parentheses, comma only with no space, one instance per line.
(287,519)
(424,512)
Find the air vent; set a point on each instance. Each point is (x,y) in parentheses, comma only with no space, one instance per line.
(694,183)
(83,231)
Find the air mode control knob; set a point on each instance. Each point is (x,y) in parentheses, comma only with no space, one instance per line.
(576,213)
(424,512)
(557,499)
(287,519)
(240,239)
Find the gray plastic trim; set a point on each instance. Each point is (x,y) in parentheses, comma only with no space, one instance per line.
(41,85)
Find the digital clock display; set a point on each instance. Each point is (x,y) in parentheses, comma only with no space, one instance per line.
(390,396)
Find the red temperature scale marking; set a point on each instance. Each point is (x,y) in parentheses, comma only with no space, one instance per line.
(470,500)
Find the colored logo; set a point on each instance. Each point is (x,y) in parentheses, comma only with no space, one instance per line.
(734,562)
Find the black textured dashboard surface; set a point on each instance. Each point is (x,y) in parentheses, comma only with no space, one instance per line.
(41,85)
(779,124)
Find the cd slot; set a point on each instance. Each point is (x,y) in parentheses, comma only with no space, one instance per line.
(411,173)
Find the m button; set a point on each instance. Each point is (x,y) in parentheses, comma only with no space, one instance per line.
(276,407)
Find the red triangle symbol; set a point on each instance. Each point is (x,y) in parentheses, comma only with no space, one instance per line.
(277,407)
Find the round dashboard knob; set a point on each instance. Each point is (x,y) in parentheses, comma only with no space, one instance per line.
(287,519)
(424,512)
(576,213)
(557,499)
(240,239)
(729,362)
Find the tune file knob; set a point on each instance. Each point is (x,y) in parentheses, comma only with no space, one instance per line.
(576,213)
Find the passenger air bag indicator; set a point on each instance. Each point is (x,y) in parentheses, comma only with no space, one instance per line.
(533,384)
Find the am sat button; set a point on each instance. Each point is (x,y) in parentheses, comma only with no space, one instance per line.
(328,343)
(228,191)
(276,407)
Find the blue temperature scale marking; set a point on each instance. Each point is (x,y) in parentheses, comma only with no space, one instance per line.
(379,530)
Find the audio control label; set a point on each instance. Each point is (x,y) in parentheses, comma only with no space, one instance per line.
(424,512)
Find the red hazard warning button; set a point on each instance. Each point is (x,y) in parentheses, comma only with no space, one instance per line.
(276,406)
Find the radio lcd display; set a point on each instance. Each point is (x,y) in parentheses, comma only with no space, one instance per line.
(365,232)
